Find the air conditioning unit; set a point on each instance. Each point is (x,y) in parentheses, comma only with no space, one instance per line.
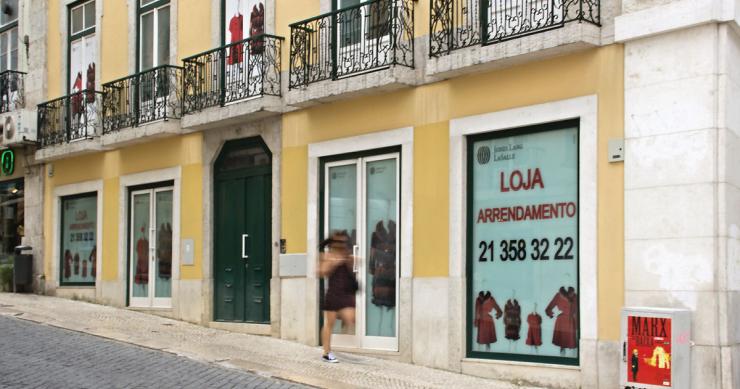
(18,127)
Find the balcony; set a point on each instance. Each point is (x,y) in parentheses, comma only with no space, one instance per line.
(243,77)
(353,41)
(65,122)
(12,91)
(150,97)
(488,27)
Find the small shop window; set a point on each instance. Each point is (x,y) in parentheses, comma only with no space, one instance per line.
(79,229)
(11,218)
(523,244)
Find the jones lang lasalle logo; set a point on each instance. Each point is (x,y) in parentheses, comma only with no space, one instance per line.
(484,155)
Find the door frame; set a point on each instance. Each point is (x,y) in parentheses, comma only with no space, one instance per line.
(152,301)
(395,152)
(227,146)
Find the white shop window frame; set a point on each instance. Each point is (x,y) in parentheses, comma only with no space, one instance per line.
(583,108)
(95,186)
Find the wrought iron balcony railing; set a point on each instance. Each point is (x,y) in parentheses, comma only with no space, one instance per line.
(237,71)
(370,36)
(454,24)
(12,91)
(69,118)
(148,96)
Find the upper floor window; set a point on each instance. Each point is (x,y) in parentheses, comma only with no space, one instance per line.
(242,19)
(8,35)
(154,33)
(83,46)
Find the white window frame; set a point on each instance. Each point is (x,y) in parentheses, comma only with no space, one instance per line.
(6,32)
(155,34)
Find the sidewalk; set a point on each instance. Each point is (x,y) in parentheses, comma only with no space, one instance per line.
(263,355)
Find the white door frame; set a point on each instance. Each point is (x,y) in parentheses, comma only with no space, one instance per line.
(359,339)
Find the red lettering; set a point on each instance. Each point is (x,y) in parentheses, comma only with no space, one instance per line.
(537,179)
(518,185)
(571,209)
(480,215)
(503,188)
(488,216)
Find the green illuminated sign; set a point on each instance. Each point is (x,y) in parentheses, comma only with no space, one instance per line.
(7,162)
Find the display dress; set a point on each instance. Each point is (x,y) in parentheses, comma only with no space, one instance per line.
(534,333)
(564,333)
(93,259)
(512,319)
(236,28)
(142,262)
(67,264)
(382,264)
(484,304)
(257,27)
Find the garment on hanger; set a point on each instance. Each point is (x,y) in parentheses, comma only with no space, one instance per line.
(564,333)
(484,304)
(84,268)
(382,264)
(76,264)
(93,259)
(90,84)
(236,28)
(142,263)
(67,264)
(76,96)
(534,333)
(512,319)
(164,250)
(257,27)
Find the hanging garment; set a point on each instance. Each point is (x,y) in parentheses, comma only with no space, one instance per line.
(164,251)
(257,27)
(512,319)
(142,263)
(564,334)
(67,264)
(76,264)
(382,264)
(236,28)
(90,84)
(76,95)
(484,304)
(84,269)
(534,333)
(93,259)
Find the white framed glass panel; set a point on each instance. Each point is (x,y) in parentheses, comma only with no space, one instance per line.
(147,41)
(163,265)
(78,239)
(140,245)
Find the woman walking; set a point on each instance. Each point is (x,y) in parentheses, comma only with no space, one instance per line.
(339,301)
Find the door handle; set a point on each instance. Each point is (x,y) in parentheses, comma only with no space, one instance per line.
(244,246)
(356,258)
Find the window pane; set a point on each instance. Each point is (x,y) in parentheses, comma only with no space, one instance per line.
(147,41)
(163,36)
(14,49)
(140,240)
(77,20)
(11,6)
(79,231)
(163,209)
(4,50)
(523,219)
(75,66)
(90,14)
(145,2)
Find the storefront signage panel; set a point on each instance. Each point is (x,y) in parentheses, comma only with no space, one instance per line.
(523,245)
(79,232)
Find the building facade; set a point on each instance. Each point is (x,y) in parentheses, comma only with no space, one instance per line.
(511,173)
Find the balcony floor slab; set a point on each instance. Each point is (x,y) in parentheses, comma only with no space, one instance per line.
(235,113)
(142,133)
(67,150)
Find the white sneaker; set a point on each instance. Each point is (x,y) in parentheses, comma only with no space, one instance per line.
(329,358)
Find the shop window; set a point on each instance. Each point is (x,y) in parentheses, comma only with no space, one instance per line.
(79,229)
(8,35)
(523,244)
(11,218)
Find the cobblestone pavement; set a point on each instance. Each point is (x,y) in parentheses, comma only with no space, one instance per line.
(38,356)
(261,354)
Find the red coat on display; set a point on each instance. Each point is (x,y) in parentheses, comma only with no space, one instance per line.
(534,334)
(236,28)
(566,324)
(142,263)
(484,304)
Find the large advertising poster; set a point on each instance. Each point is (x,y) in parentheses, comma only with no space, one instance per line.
(79,232)
(649,347)
(523,244)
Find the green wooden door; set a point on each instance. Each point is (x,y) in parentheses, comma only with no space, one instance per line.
(242,236)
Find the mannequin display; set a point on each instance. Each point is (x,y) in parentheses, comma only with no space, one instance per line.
(512,319)
(484,304)
(257,27)
(142,263)
(564,333)
(164,251)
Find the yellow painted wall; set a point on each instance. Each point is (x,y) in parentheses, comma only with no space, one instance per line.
(429,109)
(114,31)
(194,27)
(184,151)
(54,52)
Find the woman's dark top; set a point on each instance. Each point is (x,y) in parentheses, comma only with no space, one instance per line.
(341,291)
